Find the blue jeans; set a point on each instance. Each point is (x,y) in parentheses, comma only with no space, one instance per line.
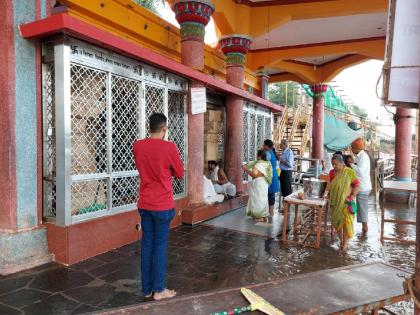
(154,247)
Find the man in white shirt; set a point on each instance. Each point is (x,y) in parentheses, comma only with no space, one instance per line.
(209,193)
(326,162)
(361,166)
(220,180)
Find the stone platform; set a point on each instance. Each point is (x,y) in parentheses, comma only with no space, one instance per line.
(334,291)
(197,214)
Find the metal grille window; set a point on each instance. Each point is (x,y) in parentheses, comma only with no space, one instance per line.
(268,129)
(100,103)
(125,121)
(156,101)
(178,133)
(245,134)
(125,129)
(252,137)
(88,120)
(260,131)
(257,128)
(49,173)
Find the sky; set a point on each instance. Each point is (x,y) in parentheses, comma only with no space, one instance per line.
(357,83)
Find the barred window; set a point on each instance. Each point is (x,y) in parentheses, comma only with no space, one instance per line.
(95,105)
(48,130)
(257,128)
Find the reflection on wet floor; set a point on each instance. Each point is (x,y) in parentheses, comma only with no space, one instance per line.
(238,221)
(228,251)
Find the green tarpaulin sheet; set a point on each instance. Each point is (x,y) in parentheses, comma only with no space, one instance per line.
(337,133)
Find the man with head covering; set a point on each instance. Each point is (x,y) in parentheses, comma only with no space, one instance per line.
(361,165)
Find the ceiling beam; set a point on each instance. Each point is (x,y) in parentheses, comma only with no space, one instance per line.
(229,15)
(304,72)
(310,74)
(370,47)
(331,69)
(285,76)
(251,3)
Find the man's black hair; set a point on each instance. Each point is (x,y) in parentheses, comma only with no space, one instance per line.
(212,162)
(269,143)
(157,121)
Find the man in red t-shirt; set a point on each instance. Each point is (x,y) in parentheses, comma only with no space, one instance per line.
(157,160)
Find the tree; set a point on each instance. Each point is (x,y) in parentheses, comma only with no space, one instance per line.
(151,5)
(360,112)
(277,93)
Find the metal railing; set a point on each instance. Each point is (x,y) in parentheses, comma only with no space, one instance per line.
(384,170)
(295,124)
(305,136)
(281,127)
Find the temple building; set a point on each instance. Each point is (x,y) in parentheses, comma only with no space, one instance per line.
(81,78)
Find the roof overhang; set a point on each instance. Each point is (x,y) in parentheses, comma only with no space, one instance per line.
(66,24)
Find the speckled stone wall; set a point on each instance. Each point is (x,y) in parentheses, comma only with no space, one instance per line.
(23,243)
(26,133)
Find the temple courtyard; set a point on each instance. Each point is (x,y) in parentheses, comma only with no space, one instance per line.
(228,251)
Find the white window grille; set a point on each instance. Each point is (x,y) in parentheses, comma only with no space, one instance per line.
(177,104)
(95,105)
(49,168)
(257,128)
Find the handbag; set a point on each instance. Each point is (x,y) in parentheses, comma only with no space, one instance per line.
(351,204)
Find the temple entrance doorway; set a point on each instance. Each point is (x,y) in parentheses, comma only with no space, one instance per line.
(214,130)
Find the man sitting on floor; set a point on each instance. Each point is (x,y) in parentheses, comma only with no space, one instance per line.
(209,194)
(220,180)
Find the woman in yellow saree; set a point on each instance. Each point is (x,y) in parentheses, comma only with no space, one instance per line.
(261,172)
(343,185)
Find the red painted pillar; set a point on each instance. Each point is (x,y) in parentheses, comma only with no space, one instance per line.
(7,122)
(263,81)
(405,119)
(235,48)
(193,16)
(318,120)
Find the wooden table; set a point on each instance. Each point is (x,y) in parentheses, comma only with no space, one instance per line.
(395,186)
(317,209)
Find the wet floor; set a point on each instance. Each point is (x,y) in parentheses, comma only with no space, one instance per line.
(229,251)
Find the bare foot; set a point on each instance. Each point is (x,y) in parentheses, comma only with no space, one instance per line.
(365,228)
(165,294)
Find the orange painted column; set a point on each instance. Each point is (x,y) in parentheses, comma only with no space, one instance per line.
(193,16)
(318,120)
(235,48)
